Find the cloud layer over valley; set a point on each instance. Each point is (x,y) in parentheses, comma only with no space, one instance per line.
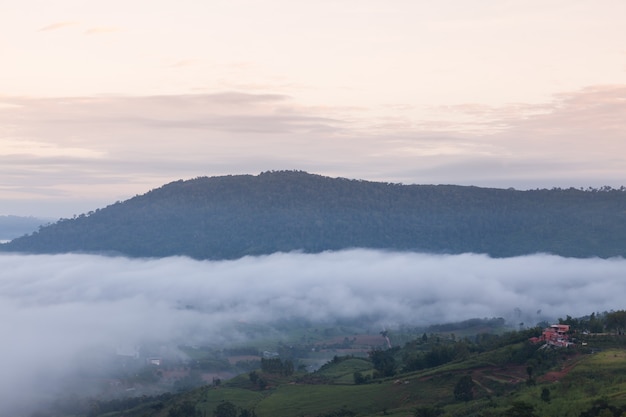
(55,307)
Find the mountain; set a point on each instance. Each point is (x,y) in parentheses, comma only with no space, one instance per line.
(233,216)
(14,226)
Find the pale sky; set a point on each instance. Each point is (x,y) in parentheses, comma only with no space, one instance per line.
(103,100)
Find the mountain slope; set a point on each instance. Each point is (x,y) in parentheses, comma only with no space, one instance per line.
(232,216)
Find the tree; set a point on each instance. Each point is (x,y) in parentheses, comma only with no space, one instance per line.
(225,409)
(185,409)
(254,377)
(521,409)
(595,325)
(529,371)
(439,355)
(359,378)
(288,368)
(277,366)
(464,389)
(383,362)
(545,395)
(606,413)
(616,320)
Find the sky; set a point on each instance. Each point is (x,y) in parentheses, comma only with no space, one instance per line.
(64,305)
(100,101)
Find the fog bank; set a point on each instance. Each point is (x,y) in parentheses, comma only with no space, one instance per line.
(55,306)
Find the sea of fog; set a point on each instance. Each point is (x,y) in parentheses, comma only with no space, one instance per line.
(55,306)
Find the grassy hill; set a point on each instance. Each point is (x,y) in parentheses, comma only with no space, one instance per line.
(584,381)
(508,376)
(233,216)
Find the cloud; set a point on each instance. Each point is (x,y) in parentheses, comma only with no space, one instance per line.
(185,63)
(63,304)
(101,30)
(151,140)
(12,147)
(337,285)
(90,31)
(574,140)
(139,143)
(58,25)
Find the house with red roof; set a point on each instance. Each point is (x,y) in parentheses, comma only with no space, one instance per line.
(555,335)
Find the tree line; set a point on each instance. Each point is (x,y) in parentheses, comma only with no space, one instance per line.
(233,216)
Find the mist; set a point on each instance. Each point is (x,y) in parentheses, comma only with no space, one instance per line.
(54,307)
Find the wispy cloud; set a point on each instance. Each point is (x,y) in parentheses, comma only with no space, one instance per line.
(101,30)
(58,25)
(574,140)
(183,63)
(14,147)
(96,30)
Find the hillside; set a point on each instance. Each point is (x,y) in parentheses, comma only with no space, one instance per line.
(483,375)
(233,216)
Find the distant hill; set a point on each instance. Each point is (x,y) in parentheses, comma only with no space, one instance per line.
(15,226)
(232,216)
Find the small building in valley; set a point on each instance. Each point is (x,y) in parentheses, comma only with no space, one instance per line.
(555,335)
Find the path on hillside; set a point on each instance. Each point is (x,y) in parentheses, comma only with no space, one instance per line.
(553,376)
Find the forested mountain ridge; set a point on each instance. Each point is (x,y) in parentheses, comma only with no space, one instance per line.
(232,216)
